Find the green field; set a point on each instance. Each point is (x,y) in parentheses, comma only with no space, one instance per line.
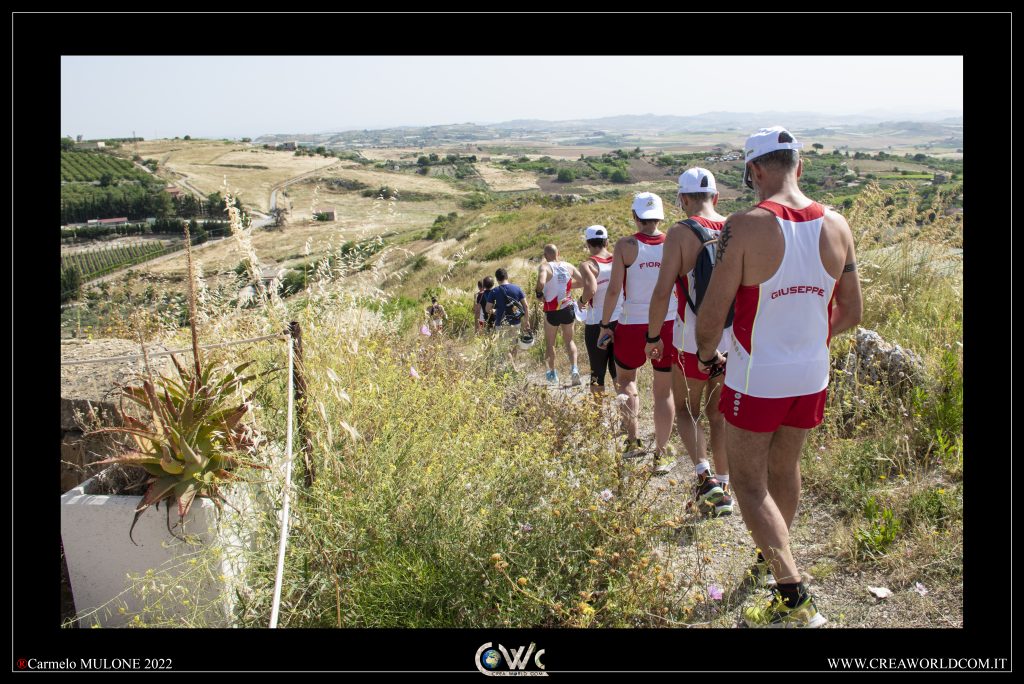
(85,167)
(94,263)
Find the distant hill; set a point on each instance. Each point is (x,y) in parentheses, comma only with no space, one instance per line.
(810,123)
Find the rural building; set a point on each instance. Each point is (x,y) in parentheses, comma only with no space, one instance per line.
(327,214)
(288,146)
(173,191)
(271,276)
(112,221)
(940,178)
(92,145)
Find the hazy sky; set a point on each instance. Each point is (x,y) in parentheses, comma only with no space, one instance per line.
(250,96)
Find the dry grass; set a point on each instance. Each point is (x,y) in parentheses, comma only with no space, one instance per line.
(500,180)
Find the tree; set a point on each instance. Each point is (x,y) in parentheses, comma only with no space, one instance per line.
(566,175)
(619,176)
(423,160)
(70,284)
(215,205)
(279,216)
(818,146)
(67,144)
(106,180)
(187,137)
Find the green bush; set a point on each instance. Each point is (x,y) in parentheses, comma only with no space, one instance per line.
(881,530)
(474,200)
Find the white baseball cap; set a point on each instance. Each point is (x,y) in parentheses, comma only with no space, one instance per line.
(647,206)
(697,180)
(769,140)
(595,233)
(764,141)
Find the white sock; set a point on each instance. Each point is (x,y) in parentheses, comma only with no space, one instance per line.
(701,468)
(724,479)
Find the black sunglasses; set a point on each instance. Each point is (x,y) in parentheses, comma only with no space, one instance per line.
(747,180)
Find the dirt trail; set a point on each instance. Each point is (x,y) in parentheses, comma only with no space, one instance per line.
(841,595)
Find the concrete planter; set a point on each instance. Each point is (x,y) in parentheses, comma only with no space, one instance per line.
(100,556)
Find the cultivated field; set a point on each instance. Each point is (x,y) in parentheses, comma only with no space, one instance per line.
(205,165)
(500,180)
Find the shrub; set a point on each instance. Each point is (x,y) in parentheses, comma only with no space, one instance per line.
(70,284)
(881,530)
(566,175)
(474,200)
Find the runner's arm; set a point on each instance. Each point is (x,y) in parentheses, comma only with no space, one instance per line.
(542,278)
(726,279)
(589,280)
(526,315)
(577,278)
(671,265)
(847,304)
(611,295)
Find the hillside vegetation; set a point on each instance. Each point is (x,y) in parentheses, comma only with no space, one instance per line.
(446,496)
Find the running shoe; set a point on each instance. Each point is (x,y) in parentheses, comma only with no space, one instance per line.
(665,461)
(708,491)
(633,448)
(723,506)
(552,377)
(773,612)
(576,381)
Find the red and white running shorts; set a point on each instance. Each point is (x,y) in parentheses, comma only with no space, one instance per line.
(687,363)
(758,414)
(629,343)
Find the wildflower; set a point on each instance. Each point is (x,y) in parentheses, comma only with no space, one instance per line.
(940,491)
(920,588)
(495,557)
(607,495)
(526,527)
(593,561)
(593,508)
(501,565)
(413,373)
(521,581)
(586,608)
(715,592)
(424,330)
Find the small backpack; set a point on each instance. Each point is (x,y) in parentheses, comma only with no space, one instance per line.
(702,270)
(513,310)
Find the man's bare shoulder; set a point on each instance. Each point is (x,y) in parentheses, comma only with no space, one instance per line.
(629,240)
(750,218)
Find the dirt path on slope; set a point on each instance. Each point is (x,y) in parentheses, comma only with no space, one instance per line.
(718,552)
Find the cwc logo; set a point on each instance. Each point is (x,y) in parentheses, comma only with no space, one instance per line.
(650,264)
(799,289)
(488,660)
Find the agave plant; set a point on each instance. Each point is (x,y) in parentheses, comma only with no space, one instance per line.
(192,439)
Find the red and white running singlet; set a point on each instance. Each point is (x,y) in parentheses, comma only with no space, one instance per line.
(781,329)
(684,334)
(558,288)
(639,281)
(596,305)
